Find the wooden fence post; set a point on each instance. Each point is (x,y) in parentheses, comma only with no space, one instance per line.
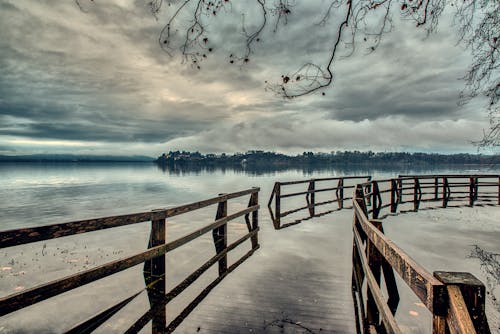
(340,193)
(476,188)
(473,292)
(312,201)
(394,204)
(374,261)
(416,194)
(445,192)
(254,200)
(220,236)
(472,189)
(277,203)
(400,190)
(154,269)
(389,277)
(360,196)
(436,188)
(376,201)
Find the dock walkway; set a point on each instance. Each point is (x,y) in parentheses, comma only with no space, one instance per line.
(299,281)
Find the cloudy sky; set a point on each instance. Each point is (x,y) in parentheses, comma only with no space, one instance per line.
(95,81)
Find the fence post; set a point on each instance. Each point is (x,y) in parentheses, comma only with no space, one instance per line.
(445,192)
(400,190)
(254,200)
(359,195)
(416,192)
(473,292)
(312,201)
(376,202)
(394,205)
(375,264)
(220,236)
(389,277)
(436,188)
(476,188)
(154,269)
(277,203)
(340,193)
(471,191)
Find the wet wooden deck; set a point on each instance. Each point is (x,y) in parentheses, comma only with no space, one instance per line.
(299,281)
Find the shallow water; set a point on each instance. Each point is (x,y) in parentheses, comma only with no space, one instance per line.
(40,194)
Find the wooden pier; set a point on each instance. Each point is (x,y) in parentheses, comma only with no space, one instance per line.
(281,283)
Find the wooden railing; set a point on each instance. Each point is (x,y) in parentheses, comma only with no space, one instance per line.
(153,259)
(456,300)
(417,189)
(335,185)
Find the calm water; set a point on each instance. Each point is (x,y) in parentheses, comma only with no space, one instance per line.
(36,194)
(40,194)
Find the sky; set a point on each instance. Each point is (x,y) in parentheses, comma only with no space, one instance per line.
(94,80)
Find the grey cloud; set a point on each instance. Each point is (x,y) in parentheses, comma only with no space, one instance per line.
(151,132)
(100,75)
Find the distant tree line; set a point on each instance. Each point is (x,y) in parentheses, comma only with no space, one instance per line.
(72,158)
(271,159)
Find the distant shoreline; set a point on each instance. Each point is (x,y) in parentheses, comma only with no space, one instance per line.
(184,160)
(74,159)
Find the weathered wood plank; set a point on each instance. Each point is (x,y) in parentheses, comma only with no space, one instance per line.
(387,318)
(439,324)
(36,294)
(458,319)
(154,269)
(429,290)
(179,288)
(27,235)
(474,294)
(219,235)
(16,237)
(325,179)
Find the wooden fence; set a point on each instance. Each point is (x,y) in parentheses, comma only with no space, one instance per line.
(456,300)
(447,190)
(153,259)
(337,186)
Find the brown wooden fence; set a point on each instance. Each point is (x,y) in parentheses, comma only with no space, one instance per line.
(337,186)
(153,259)
(456,300)
(447,190)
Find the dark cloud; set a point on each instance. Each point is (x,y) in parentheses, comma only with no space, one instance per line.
(99,76)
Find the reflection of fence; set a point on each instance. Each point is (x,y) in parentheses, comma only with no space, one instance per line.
(314,186)
(153,258)
(456,300)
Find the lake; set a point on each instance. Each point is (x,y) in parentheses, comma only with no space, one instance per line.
(34,194)
(44,193)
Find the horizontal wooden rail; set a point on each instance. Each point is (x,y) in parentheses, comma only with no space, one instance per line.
(36,294)
(475,189)
(427,176)
(388,320)
(419,280)
(458,318)
(456,300)
(325,179)
(153,258)
(315,186)
(27,235)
